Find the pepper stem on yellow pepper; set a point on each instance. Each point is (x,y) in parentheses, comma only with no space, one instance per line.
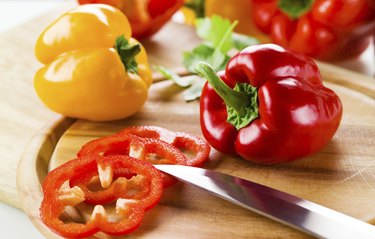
(127,53)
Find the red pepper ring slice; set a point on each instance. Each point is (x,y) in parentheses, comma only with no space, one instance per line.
(122,181)
(194,145)
(151,150)
(188,143)
(57,195)
(108,145)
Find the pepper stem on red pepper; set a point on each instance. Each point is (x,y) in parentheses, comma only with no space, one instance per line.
(127,53)
(295,8)
(197,6)
(241,102)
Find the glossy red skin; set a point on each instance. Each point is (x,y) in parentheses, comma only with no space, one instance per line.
(119,144)
(198,149)
(52,207)
(298,116)
(331,30)
(160,12)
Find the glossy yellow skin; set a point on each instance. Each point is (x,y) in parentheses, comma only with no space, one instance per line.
(83,76)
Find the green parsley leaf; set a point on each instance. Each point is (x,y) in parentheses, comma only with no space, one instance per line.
(207,54)
(218,39)
(193,82)
(199,53)
(213,30)
(241,41)
(181,81)
(194,92)
(218,60)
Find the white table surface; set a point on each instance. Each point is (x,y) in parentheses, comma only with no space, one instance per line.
(13,222)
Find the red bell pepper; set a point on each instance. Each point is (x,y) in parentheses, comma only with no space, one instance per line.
(151,150)
(146,17)
(269,106)
(133,196)
(324,29)
(195,149)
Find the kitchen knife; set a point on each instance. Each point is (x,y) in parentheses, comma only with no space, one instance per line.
(298,213)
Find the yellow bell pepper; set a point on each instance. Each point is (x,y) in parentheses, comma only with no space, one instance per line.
(93,68)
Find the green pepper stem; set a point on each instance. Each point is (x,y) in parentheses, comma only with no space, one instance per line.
(295,8)
(127,53)
(197,6)
(237,100)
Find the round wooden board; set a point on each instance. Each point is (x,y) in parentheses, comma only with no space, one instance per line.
(341,176)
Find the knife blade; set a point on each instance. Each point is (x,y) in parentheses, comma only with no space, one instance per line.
(301,214)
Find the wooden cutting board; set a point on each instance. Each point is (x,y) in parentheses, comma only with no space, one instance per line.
(22,114)
(340,177)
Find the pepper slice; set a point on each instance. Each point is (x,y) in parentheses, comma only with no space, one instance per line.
(130,207)
(151,150)
(195,149)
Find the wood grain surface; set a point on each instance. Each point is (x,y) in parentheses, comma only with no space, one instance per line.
(22,114)
(342,176)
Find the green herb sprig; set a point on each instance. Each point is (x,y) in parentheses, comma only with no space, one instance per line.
(218,42)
